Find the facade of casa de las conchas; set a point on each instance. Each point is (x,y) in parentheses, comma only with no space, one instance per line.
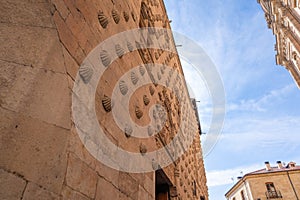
(43,46)
(273,182)
(283,17)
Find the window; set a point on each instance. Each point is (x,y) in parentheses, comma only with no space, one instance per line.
(270,187)
(202,198)
(234,198)
(243,195)
(272,193)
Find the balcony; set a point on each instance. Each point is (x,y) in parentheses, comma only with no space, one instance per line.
(273,194)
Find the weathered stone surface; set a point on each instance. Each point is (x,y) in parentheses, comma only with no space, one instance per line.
(143,194)
(43,44)
(111,175)
(105,190)
(68,193)
(32,46)
(33,149)
(68,39)
(33,191)
(81,177)
(11,186)
(71,65)
(62,8)
(128,185)
(37,93)
(26,13)
(149,185)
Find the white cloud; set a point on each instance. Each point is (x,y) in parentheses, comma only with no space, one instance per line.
(224,177)
(261,103)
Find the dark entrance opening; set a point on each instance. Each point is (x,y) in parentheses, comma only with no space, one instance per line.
(162,186)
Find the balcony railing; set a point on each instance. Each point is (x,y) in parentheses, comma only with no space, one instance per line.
(273,194)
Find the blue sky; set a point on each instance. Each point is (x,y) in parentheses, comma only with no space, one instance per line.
(262,100)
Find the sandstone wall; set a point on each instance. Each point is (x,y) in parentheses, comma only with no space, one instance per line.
(43,43)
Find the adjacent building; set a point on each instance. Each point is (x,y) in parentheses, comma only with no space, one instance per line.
(283,17)
(280,182)
(43,46)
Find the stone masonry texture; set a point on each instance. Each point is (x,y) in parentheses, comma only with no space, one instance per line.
(43,43)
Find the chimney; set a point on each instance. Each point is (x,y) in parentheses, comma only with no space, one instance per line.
(279,164)
(268,166)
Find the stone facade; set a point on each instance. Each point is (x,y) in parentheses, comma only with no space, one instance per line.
(43,44)
(283,17)
(281,182)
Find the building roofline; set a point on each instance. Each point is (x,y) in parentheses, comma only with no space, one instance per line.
(256,173)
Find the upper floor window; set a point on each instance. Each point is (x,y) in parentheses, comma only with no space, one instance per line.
(243,195)
(272,193)
(270,187)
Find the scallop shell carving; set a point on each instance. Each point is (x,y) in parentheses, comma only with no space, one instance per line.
(158,76)
(119,50)
(123,87)
(128,131)
(102,20)
(143,149)
(126,16)
(105,58)
(146,100)
(152,91)
(134,78)
(106,102)
(133,16)
(86,73)
(129,46)
(150,131)
(115,16)
(138,113)
(142,70)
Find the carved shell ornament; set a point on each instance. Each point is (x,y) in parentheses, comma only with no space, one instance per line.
(126,16)
(152,91)
(146,100)
(102,19)
(142,70)
(116,103)
(123,87)
(86,73)
(134,78)
(143,149)
(119,50)
(115,16)
(106,102)
(129,46)
(138,112)
(105,58)
(128,131)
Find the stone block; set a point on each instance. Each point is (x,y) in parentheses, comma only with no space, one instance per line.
(71,65)
(37,193)
(128,185)
(11,186)
(149,185)
(61,8)
(143,194)
(34,149)
(68,193)
(31,46)
(26,13)
(81,177)
(68,39)
(106,191)
(111,175)
(37,93)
